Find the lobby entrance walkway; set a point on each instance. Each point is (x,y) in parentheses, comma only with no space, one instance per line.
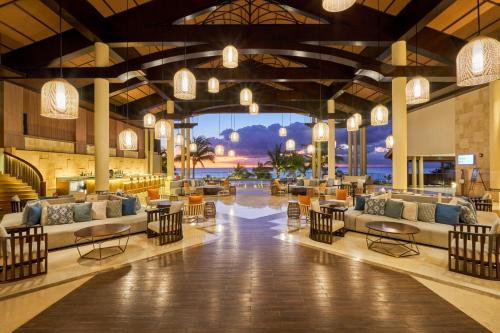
(249,281)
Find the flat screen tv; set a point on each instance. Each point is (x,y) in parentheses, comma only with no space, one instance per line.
(465,159)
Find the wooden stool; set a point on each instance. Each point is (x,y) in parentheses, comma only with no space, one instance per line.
(293,210)
(209,212)
(232,190)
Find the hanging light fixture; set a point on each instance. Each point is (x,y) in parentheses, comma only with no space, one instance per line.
(352,124)
(245,96)
(290,145)
(478,62)
(184,84)
(310,149)
(358,118)
(379,115)
(162,130)
(213,85)
(193,147)
(282,132)
(219,150)
(179,140)
(234,136)
(59,98)
(149,120)
(127,139)
(320,132)
(417,90)
(337,5)
(254,109)
(389,142)
(230,57)
(231,153)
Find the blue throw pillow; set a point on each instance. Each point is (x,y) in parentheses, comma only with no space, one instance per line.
(128,206)
(447,214)
(34,215)
(82,212)
(360,203)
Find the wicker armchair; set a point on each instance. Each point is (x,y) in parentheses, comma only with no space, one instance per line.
(474,250)
(324,227)
(23,253)
(194,212)
(485,205)
(168,228)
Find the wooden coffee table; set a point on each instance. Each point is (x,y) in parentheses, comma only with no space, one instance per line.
(95,235)
(380,238)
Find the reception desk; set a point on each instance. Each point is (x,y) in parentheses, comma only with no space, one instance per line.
(129,184)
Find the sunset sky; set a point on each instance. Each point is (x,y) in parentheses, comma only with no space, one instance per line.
(258,134)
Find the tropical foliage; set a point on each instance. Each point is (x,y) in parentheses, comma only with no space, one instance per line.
(204,152)
(276,160)
(262,172)
(240,172)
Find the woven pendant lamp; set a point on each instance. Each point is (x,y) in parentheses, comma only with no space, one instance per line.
(213,85)
(320,132)
(337,5)
(246,97)
(230,57)
(149,120)
(352,124)
(253,109)
(379,115)
(219,150)
(127,140)
(184,84)
(290,145)
(310,149)
(417,90)
(231,153)
(162,130)
(389,142)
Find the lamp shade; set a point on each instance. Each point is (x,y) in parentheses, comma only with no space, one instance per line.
(320,132)
(478,62)
(290,145)
(245,96)
(254,109)
(359,119)
(179,140)
(379,115)
(417,90)
(282,131)
(149,120)
(310,149)
(219,150)
(184,84)
(234,136)
(59,100)
(231,153)
(213,85)
(193,147)
(389,142)
(163,130)
(127,140)
(352,124)
(337,5)
(230,57)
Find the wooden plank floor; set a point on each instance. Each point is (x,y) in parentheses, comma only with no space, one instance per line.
(247,281)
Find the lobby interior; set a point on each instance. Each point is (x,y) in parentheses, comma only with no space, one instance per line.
(105,226)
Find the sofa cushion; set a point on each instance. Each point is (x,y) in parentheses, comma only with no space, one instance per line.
(99,210)
(34,214)
(60,214)
(341,194)
(304,200)
(113,208)
(300,182)
(330,182)
(26,209)
(469,205)
(306,182)
(394,209)
(12,220)
(128,206)
(154,193)
(360,203)
(176,206)
(447,214)
(375,206)
(313,182)
(410,211)
(195,199)
(82,212)
(426,212)
(467,216)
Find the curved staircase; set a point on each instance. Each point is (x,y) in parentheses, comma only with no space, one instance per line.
(9,187)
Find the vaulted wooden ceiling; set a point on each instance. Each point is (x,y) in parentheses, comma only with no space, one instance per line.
(292,53)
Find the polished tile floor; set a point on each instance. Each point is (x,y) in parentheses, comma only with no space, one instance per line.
(247,280)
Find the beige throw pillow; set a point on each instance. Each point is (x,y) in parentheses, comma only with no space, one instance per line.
(99,210)
(410,211)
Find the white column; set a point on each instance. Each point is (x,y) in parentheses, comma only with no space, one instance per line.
(188,152)
(318,160)
(331,140)
(313,155)
(183,151)
(399,121)
(170,143)
(349,153)
(151,151)
(494,88)
(421,172)
(355,152)
(101,121)
(414,172)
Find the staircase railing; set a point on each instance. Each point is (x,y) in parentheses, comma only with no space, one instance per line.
(25,171)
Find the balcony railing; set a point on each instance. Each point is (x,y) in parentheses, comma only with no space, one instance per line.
(25,171)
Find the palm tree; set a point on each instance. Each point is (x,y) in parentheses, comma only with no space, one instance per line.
(204,152)
(295,162)
(276,160)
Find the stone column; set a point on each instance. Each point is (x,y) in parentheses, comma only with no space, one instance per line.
(349,153)
(421,172)
(188,152)
(170,143)
(399,121)
(331,140)
(313,156)
(183,151)
(355,152)
(494,125)
(414,172)
(362,150)
(318,160)
(101,121)
(151,150)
